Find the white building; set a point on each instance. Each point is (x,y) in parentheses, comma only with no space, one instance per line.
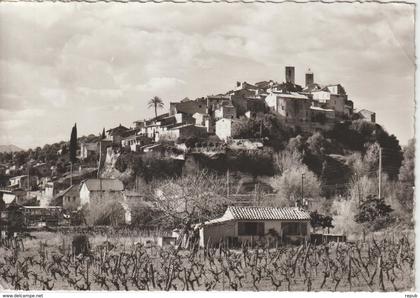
(183,131)
(224,128)
(98,191)
(250,224)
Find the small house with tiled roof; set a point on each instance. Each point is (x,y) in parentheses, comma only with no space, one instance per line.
(98,191)
(247,224)
(69,198)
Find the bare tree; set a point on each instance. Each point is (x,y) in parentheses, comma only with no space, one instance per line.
(288,183)
(191,199)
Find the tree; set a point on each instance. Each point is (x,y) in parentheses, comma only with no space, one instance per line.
(317,144)
(245,128)
(2,205)
(72,150)
(191,198)
(73,145)
(407,168)
(321,221)
(288,159)
(374,213)
(288,183)
(155,103)
(269,127)
(103,136)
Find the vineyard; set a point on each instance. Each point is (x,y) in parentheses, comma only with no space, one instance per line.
(372,265)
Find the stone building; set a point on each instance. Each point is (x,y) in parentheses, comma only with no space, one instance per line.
(293,106)
(367,115)
(116,134)
(183,131)
(225,111)
(189,107)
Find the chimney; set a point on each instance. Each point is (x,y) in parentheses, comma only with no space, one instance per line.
(290,74)
(309,77)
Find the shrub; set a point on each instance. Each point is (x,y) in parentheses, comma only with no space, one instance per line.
(374,213)
(80,245)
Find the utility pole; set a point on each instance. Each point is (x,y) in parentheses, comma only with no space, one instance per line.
(99,169)
(100,158)
(256,194)
(380,173)
(358,187)
(71,173)
(227,182)
(301,190)
(29,179)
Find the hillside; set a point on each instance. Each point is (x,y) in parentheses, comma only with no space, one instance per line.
(9,148)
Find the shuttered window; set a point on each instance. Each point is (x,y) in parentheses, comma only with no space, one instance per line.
(303,229)
(250,228)
(295,228)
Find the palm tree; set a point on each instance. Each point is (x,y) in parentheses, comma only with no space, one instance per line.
(155,102)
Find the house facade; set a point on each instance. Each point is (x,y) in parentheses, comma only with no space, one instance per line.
(189,107)
(225,111)
(330,100)
(22,182)
(135,142)
(224,128)
(116,134)
(293,106)
(322,115)
(367,115)
(183,131)
(71,197)
(97,191)
(251,224)
(88,149)
(17,196)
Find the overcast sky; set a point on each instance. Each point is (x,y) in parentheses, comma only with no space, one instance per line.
(98,64)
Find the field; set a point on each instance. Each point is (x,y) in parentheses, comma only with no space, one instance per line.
(123,263)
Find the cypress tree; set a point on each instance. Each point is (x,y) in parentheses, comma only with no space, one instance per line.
(73,144)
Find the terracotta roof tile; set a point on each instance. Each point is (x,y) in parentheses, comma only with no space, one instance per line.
(268,213)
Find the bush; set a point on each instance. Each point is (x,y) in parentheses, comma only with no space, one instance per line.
(374,213)
(80,245)
(109,214)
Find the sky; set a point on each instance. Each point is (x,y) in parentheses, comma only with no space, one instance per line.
(97,65)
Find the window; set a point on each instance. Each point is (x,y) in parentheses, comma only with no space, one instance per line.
(303,229)
(294,228)
(250,228)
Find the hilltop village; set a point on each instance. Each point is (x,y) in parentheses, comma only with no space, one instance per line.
(207,125)
(311,107)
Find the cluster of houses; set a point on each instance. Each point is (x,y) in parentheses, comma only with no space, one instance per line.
(312,106)
(61,204)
